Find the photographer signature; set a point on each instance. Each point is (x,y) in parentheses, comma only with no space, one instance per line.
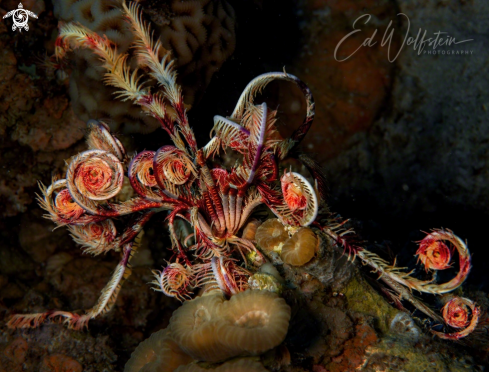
(419,42)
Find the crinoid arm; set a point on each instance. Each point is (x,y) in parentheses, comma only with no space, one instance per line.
(27,320)
(462,315)
(100,138)
(434,254)
(258,84)
(120,76)
(426,286)
(437,237)
(76,321)
(162,70)
(84,202)
(148,52)
(343,237)
(234,131)
(174,281)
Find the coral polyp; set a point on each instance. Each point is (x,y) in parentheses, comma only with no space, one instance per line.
(209,328)
(271,235)
(221,209)
(300,248)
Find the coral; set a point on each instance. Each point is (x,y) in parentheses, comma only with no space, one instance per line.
(194,327)
(213,330)
(240,365)
(271,235)
(157,353)
(257,322)
(300,248)
(199,28)
(249,231)
(200,34)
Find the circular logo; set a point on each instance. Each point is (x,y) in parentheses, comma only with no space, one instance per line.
(20,18)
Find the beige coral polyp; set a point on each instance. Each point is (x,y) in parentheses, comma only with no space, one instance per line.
(249,232)
(271,234)
(194,327)
(211,329)
(157,353)
(240,365)
(300,248)
(257,321)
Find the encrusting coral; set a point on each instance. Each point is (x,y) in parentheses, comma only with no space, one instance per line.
(200,34)
(215,205)
(267,278)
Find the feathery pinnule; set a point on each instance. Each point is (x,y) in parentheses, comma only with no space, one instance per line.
(120,76)
(162,70)
(73,320)
(174,281)
(96,237)
(149,52)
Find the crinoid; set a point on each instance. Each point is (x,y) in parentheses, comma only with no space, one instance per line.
(213,202)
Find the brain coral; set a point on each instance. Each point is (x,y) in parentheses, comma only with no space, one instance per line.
(200,33)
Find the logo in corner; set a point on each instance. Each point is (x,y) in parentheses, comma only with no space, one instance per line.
(20,17)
